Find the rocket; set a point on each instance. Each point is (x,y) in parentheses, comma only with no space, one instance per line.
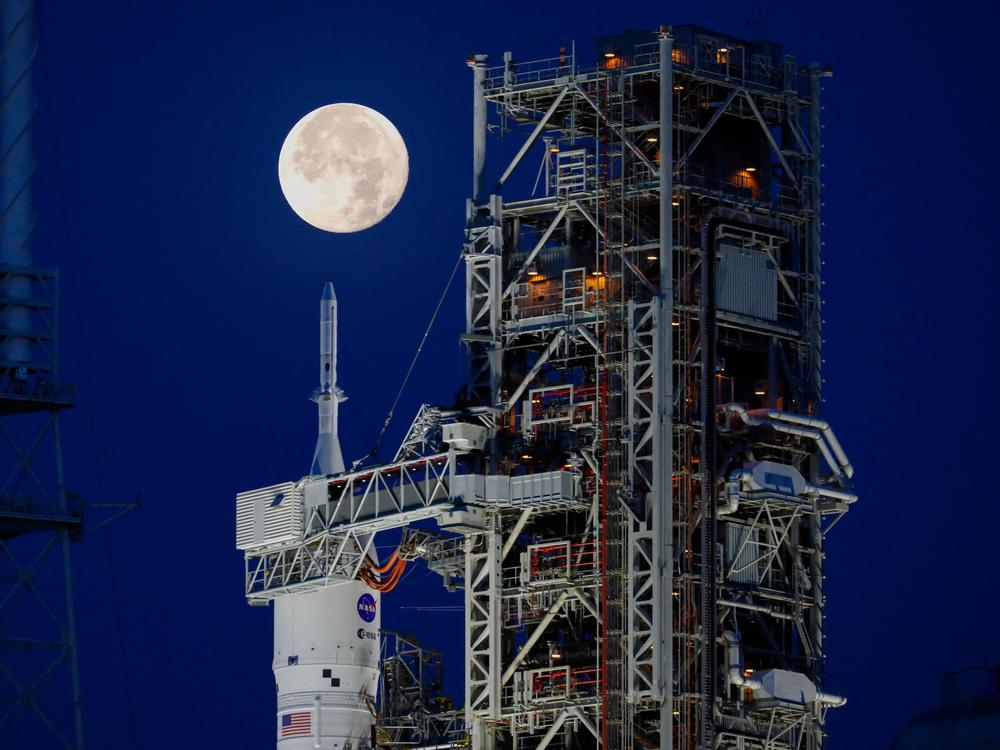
(327,641)
(328,459)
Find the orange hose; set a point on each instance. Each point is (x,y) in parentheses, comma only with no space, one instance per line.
(373,577)
(387,565)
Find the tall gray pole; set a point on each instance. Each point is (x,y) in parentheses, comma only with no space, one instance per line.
(478,65)
(663,378)
(17,168)
(69,632)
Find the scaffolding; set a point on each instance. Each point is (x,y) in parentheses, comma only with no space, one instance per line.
(634,488)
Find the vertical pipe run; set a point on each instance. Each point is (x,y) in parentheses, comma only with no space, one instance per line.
(663,517)
(708,461)
(816,391)
(772,372)
(478,65)
(815,233)
(17,168)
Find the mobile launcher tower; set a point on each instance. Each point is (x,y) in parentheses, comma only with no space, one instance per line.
(634,492)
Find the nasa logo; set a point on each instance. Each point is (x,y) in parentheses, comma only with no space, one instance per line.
(366,607)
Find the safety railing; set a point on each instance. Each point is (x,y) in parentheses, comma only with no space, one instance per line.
(514,73)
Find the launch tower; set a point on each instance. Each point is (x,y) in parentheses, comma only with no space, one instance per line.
(635,487)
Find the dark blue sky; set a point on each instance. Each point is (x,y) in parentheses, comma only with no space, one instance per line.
(199,289)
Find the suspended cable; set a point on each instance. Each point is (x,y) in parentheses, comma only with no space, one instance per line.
(442,608)
(88,392)
(406,378)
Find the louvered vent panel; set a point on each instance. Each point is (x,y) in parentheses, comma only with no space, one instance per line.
(270,515)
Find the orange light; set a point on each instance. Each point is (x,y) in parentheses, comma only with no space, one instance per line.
(679,87)
(553,149)
(652,139)
(597,273)
(676,324)
(652,257)
(526,456)
(609,55)
(751,169)
(760,392)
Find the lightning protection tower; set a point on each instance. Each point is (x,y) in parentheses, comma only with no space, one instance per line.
(39,686)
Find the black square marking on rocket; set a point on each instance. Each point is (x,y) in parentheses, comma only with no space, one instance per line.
(327,672)
(335,682)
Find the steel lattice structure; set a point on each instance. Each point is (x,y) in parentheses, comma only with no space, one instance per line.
(635,489)
(39,683)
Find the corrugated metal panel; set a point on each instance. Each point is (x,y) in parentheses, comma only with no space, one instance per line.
(540,488)
(270,515)
(747,282)
(744,555)
(550,489)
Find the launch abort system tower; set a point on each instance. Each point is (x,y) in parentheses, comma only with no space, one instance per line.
(634,490)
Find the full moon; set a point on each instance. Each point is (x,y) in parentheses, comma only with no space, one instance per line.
(343,167)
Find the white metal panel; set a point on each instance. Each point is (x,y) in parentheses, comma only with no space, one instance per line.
(270,515)
(745,558)
(747,282)
(548,489)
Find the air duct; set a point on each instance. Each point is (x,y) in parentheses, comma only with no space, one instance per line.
(780,685)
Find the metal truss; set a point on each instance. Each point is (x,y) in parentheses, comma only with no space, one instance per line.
(385,496)
(39,520)
(413,710)
(483,558)
(324,560)
(483,249)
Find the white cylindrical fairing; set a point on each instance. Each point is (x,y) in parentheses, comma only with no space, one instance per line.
(326,661)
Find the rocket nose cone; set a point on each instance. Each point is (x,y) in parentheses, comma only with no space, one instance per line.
(328,293)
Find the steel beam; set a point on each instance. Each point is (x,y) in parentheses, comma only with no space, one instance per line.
(663,398)
(530,141)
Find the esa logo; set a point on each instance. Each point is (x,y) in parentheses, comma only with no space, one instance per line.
(366,634)
(366,607)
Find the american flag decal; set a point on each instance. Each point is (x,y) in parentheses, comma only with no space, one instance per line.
(297,724)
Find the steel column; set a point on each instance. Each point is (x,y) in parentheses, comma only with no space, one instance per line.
(663,396)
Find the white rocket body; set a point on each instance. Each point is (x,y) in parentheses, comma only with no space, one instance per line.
(326,659)
(326,642)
